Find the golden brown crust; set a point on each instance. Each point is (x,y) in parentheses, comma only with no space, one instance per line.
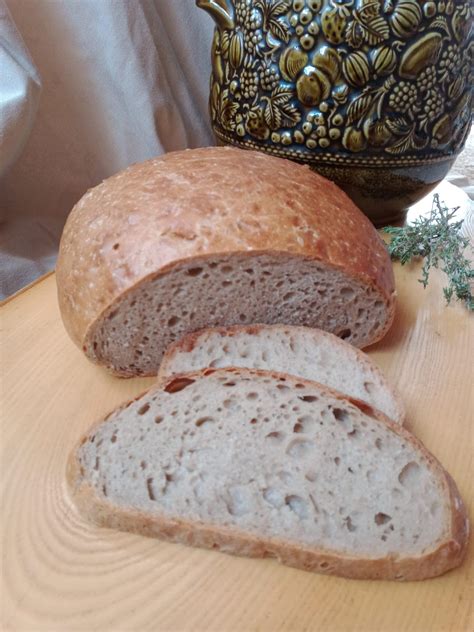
(188,342)
(448,555)
(195,203)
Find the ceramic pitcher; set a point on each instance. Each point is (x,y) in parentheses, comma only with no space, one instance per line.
(374,94)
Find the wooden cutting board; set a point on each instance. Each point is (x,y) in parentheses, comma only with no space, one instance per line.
(61,573)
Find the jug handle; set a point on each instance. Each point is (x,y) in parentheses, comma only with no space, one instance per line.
(220,11)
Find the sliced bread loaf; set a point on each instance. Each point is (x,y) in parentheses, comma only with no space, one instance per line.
(303,351)
(269,465)
(212,237)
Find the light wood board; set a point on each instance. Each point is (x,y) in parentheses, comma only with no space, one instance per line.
(61,573)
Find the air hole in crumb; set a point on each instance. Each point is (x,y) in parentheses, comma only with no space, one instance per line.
(298,428)
(285,477)
(363,407)
(298,448)
(158,419)
(337,460)
(344,334)
(275,436)
(242,318)
(378,443)
(113,438)
(349,524)
(174,320)
(203,420)
(352,433)
(311,476)
(346,291)
(143,465)
(228,384)
(324,565)
(150,490)
(178,384)
(237,502)
(116,246)
(376,325)
(369,387)
(252,395)
(143,409)
(226,269)
(273,496)
(97,462)
(297,505)
(341,415)
(410,474)
(194,272)
(104,489)
(217,362)
(382,518)
(308,398)
(228,403)
(283,387)
(253,421)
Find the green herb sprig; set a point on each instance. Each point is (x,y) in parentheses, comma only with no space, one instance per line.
(438,240)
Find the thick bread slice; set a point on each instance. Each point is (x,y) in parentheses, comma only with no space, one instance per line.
(269,465)
(304,351)
(216,237)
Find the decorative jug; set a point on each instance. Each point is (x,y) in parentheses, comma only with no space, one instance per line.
(374,94)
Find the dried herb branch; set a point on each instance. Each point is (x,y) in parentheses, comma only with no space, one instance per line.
(438,240)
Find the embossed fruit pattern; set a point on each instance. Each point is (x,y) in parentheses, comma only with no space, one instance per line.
(392,77)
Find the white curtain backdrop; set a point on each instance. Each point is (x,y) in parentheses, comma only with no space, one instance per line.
(86,88)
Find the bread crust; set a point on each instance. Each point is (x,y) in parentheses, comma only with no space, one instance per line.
(446,556)
(189,341)
(193,204)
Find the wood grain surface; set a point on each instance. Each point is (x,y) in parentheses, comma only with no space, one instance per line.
(61,573)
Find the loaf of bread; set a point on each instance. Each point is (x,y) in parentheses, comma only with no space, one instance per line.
(212,237)
(263,464)
(303,351)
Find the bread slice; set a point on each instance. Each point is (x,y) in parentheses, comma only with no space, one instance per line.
(270,465)
(303,351)
(215,237)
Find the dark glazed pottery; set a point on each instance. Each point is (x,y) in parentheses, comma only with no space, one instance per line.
(375,95)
